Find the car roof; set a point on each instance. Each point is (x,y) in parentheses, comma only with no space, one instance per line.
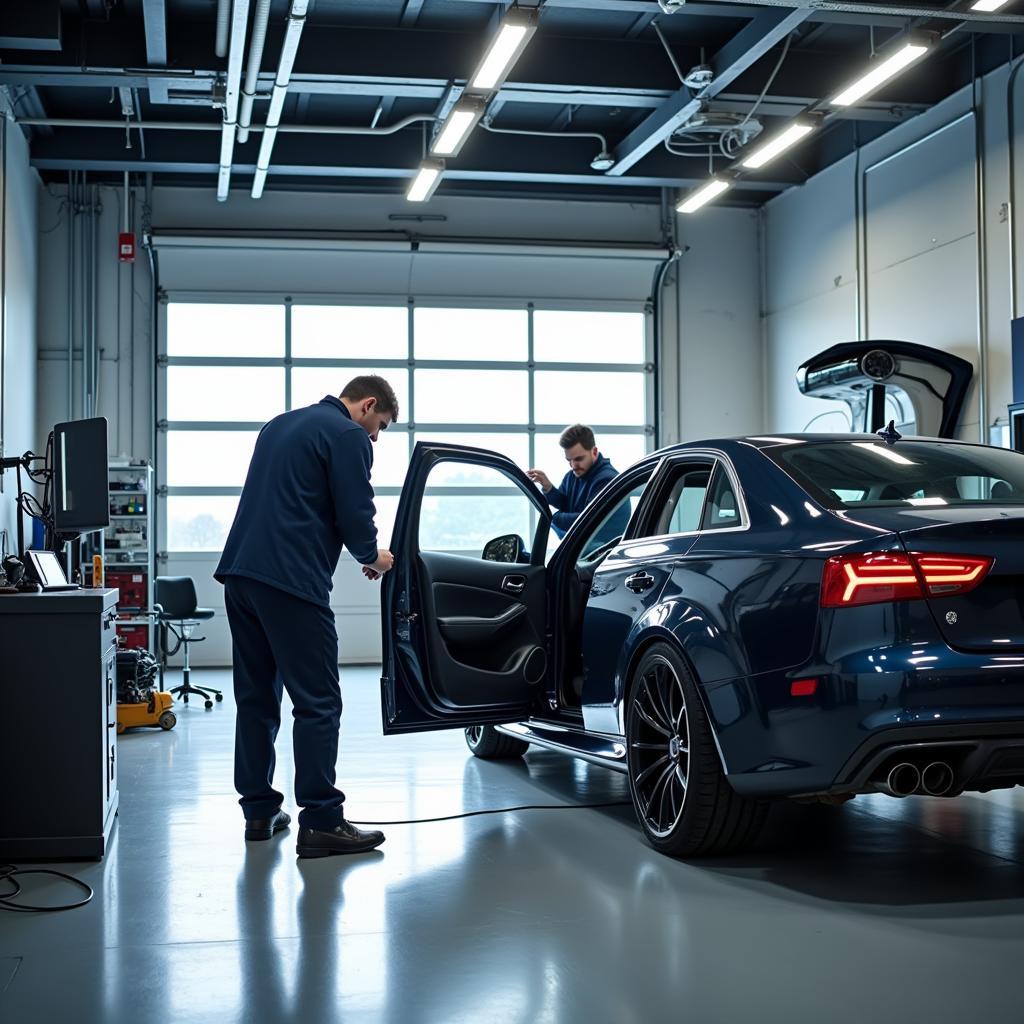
(765,441)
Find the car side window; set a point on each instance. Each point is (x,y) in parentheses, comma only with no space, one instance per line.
(613,524)
(722,509)
(681,502)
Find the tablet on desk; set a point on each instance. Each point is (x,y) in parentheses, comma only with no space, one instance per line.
(47,569)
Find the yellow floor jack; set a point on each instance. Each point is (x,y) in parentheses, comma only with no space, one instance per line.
(139,702)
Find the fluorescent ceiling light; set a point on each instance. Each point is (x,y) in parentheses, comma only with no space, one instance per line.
(881,73)
(988,5)
(457,126)
(715,187)
(773,147)
(426,180)
(505,48)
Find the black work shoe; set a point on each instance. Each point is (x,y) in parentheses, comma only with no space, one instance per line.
(264,828)
(343,838)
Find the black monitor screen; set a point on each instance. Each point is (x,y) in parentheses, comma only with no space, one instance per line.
(80,497)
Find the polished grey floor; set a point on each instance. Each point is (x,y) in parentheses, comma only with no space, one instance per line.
(880,911)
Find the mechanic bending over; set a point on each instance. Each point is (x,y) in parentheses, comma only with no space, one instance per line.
(589,471)
(306,494)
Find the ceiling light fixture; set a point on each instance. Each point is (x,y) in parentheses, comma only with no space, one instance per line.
(695,200)
(517,27)
(779,143)
(911,50)
(989,5)
(428,177)
(455,128)
(604,161)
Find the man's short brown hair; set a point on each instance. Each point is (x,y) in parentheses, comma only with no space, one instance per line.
(577,434)
(373,386)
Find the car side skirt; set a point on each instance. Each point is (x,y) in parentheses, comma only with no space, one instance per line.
(607,751)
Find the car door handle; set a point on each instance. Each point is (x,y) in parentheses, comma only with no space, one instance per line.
(639,581)
(513,584)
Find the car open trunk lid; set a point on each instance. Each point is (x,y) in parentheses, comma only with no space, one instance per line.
(991,616)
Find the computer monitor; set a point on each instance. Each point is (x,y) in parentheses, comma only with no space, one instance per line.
(80,490)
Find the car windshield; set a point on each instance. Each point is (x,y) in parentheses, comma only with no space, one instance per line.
(858,474)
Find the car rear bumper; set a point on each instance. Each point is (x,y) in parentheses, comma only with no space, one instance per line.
(965,709)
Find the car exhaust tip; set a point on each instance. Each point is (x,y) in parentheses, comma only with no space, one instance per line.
(902,780)
(937,778)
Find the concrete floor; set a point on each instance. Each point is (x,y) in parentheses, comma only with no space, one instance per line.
(883,910)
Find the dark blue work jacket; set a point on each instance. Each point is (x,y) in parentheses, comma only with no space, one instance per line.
(575,493)
(307,493)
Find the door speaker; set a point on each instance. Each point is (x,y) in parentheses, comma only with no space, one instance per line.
(534,665)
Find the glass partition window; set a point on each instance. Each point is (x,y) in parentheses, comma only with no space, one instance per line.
(465,522)
(503,379)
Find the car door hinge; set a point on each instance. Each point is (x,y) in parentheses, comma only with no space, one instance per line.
(407,616)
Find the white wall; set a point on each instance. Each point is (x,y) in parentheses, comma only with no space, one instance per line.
(917,278)
(718,344)
(715,306)
(19,185)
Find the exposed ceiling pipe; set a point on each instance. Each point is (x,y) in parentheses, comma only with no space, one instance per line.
(223,19)
(209,126)
(296,22)
(236,53)
(296,129)
(252,74)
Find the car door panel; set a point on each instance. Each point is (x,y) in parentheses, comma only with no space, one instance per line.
(613,609)
(463,637)
(484,642)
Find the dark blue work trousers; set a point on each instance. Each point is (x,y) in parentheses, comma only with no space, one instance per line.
(279,640)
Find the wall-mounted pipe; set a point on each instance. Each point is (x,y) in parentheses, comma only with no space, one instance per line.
(982,270)
(236,54)
(71,293)
(3,287)
(223,22)
(290,47)
(252,73)
(1011,206)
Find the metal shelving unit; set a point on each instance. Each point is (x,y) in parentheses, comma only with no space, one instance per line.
(126,545)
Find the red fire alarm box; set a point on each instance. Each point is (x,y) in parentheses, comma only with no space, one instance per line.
(126,247)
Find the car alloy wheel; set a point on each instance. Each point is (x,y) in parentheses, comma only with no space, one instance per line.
(684,802)
(659,746)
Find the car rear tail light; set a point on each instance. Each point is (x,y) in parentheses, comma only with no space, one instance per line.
(803,687)
(951,574)
(874,577)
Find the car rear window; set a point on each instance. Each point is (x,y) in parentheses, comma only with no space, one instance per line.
(857,474)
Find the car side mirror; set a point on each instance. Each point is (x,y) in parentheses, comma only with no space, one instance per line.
(508,548)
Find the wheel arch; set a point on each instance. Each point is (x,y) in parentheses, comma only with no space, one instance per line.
(644,642)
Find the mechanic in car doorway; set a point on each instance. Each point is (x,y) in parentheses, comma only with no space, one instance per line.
(589,471)
(306,494)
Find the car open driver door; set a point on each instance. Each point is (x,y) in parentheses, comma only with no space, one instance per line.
(463,635)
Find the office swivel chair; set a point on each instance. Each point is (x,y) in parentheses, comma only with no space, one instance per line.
(178,616)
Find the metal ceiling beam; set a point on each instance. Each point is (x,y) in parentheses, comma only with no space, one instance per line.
(411,12)
(119,166)
(490,159)
(790,106)
(154,16)
(828,11)
(740,53)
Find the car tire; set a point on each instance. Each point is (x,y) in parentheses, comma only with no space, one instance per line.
(485,741)
(682,799)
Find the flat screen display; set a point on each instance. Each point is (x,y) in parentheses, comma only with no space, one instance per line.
(48,569)
(80,496)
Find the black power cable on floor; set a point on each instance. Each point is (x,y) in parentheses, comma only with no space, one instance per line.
(10,873)
(497,810)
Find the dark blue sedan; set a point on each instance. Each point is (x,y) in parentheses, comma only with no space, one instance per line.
(807,616)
